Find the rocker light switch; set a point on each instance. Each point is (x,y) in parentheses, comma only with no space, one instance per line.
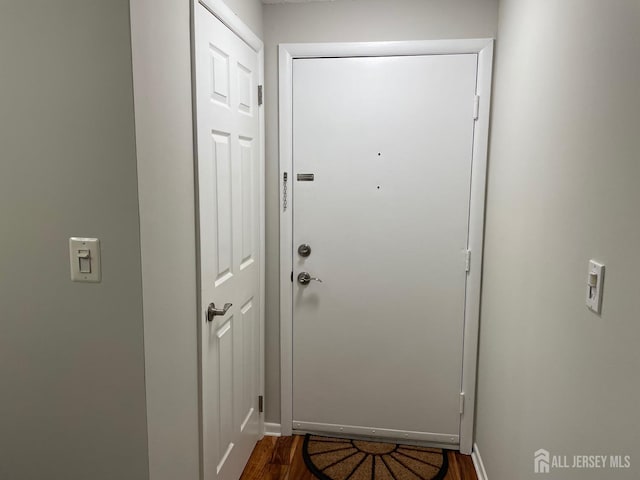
(84,261)
(595,277)
(84,256)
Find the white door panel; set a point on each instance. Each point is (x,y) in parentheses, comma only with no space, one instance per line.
(228,176)
(378,345)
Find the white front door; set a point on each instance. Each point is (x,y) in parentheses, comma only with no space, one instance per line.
(228,188)
(378,344)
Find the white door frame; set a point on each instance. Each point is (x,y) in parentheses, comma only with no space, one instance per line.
(287,53)
(221,11)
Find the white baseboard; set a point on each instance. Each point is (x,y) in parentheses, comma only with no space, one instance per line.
(272,429)
(478,464)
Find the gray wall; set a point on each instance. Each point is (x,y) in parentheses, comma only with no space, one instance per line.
(343,20)
(71,354)
(164,138)
(563,188)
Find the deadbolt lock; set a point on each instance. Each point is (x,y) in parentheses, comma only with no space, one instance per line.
(304,250)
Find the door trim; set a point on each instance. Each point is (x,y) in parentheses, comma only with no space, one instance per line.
(483,47)
(223,13)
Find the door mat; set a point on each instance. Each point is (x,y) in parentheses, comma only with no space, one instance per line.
(339,459)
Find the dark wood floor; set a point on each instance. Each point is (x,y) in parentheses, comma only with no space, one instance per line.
(280,458)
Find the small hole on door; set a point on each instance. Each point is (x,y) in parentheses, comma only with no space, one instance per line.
(378,187)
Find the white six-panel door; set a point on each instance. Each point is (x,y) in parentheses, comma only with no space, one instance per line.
(378,345)
(228,152)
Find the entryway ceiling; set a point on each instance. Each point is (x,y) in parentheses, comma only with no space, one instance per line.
(295,1)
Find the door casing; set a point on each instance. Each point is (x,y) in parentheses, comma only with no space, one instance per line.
(287,53)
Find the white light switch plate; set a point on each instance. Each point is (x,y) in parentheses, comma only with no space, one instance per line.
(595,279)
(84,259)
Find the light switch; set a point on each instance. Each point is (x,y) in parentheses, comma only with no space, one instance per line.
(595,279)
(84,257)
(84,261)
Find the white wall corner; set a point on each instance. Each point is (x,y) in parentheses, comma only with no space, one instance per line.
(478,464)
(272,429)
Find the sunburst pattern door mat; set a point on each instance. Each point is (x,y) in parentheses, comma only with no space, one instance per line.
(339,459)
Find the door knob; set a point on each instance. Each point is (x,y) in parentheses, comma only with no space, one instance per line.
(212,311)
(304,278)
(304,250)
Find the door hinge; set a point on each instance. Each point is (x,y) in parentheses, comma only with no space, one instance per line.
(476,107)
(291,277)
(259,94)
(284,191)
(260,404)
(461,402)
(467,261)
